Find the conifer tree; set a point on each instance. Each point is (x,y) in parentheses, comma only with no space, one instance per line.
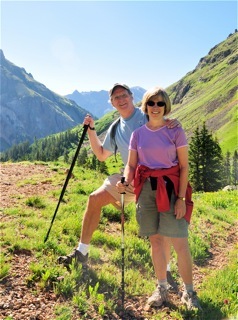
(234,170)
(94,162)
(102,167)
(227,169)
(83,157)
(66,156)
(195,161)
(205,160)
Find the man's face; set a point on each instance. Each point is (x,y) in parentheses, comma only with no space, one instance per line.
(121,99)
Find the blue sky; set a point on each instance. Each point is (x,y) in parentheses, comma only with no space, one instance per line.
(90,45)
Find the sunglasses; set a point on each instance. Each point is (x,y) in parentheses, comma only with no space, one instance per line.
(159,103)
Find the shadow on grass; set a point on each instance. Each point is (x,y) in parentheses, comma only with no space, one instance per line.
(208,312)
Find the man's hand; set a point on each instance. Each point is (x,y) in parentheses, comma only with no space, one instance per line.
(172,123)
(121,187)
(88,121)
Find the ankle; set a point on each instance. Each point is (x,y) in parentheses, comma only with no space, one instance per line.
(163,283)
(83,248)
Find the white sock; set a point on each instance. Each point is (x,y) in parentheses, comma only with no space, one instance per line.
(83,248)
(168,267)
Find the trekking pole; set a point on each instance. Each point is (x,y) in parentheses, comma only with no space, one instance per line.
(67,178)
(122,248)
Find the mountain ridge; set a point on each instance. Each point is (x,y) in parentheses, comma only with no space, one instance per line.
(29,110)
(205,94)
(97,102)
(208,94)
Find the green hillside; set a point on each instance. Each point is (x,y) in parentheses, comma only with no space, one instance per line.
(206,94)
(209,93)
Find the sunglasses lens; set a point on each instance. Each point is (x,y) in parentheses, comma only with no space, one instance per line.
(151,103)
(159,103)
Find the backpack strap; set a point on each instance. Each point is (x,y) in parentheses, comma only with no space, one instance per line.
(113,134)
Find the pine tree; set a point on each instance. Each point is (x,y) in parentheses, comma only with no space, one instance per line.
(102,167)
(205,160)
(66,156)
(195,161)
(234,170)
(227,169)
(94,162)
(83,157)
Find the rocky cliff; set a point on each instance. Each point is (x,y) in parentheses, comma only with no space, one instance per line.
(29,110)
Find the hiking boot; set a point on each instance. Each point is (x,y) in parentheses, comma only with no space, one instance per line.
(159,296)
(172,285)
(190,300)
(77,255)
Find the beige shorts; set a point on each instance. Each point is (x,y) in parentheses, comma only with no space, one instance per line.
(109,185)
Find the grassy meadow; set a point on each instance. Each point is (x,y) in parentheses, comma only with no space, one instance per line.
(25,225)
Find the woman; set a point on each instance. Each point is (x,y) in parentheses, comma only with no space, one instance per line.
(158,164)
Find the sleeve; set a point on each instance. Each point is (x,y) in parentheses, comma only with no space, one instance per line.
(133,141)
(108,142)
(181,139)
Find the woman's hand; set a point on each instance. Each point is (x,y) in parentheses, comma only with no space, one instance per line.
(180,208)
(88,121)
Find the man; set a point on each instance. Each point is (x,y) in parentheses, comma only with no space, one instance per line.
(131,118)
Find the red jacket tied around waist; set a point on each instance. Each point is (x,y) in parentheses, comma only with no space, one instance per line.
(162,199)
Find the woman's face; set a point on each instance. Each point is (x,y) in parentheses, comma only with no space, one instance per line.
(156,107)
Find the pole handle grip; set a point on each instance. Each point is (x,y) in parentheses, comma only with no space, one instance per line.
(122,181)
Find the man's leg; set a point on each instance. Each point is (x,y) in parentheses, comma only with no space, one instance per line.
(96,201)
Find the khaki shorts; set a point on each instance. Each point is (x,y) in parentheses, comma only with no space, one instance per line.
(152,222)
(109,185)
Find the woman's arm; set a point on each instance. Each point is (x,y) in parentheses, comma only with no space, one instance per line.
(129,171)
(180,206)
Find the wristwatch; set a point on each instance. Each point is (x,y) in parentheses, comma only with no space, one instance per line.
(181,198)
(91,128)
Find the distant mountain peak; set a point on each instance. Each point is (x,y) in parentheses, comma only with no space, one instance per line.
(97,102)
(29,110)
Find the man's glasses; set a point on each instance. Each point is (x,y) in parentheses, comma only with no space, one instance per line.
(122,96)
(159,103)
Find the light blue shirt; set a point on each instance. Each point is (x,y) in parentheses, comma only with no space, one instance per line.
(123,133)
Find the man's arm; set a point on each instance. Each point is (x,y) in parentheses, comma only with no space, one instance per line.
(96,145)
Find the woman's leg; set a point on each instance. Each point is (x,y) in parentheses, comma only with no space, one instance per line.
(181,247)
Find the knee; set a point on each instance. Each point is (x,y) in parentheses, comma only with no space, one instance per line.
(156,241)
(93,199)
(182,248)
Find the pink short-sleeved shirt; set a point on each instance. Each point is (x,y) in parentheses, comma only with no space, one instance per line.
(158,149)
